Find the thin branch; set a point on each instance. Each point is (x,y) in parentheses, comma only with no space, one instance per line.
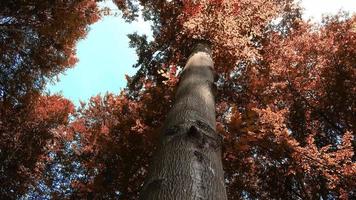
(318,111)
(7,29)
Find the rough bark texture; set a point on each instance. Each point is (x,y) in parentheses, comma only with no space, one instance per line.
(188,164)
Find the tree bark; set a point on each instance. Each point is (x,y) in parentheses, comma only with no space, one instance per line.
(187,164)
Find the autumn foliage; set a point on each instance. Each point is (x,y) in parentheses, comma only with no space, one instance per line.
(25,134)
(285,99)
(37,42)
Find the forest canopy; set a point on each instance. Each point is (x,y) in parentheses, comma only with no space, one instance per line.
(284,99)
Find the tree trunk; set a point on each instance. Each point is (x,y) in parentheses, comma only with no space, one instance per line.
(187,164)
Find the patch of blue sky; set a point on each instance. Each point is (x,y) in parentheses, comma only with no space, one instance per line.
(104,59)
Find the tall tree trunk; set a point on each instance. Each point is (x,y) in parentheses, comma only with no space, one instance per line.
(187,164)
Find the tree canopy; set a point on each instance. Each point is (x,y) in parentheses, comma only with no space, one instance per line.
(285,98)
(37,42)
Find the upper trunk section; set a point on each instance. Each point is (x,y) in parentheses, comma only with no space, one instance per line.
(187,164)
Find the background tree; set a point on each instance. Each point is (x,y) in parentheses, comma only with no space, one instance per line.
(37,42)
(24,137)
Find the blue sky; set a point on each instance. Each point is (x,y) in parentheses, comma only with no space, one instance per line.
(105,57)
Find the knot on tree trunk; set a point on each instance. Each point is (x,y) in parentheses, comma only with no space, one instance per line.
(198,132)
